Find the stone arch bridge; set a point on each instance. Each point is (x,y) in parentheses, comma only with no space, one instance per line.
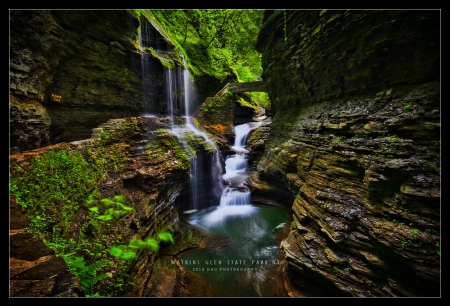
(242,87)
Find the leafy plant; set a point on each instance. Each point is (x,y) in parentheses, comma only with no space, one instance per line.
(113,209)
(87,274)
(104,135)
(406,242)
(127,252)
(338,140)
(415,232)
(335,270)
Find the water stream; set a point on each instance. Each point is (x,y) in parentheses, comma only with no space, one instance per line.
(247,263)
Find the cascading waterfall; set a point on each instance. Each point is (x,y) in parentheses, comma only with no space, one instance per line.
(249,228)
(235,269)
(180,89)
(236,165)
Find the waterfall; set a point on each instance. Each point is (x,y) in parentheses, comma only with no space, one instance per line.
(233,196)
(180,102)
(204,184)
(149,37)
(236,167)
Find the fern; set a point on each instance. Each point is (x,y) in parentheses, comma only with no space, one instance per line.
(87,274)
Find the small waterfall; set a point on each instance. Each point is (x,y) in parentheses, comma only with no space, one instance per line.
(149,37)
(171,88)
(236,166)
(241,131)
(232,196)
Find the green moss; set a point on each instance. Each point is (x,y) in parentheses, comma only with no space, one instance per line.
(59,187)
(158,147)
(166,61)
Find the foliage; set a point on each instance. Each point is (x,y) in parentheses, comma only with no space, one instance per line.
(52,187)
(127,252)
(113,209)
(338,140)
(58,190)
(87,274)
(104,136)
(220,43)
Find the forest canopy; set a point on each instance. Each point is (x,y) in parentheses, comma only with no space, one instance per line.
(220,43)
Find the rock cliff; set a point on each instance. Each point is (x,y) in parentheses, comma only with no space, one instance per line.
(143,163)
(354,147)
(72,70)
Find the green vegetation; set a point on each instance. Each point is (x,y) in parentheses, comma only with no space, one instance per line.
(335,270)
(58,190)
(129,251)
(166,62)
(214,42)
(88,275)
(339,140)
(166,144)
(406,243)
(104,136)
(393,138)
(415,232)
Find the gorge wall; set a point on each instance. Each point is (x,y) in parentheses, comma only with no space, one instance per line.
(71,70)
(354,147)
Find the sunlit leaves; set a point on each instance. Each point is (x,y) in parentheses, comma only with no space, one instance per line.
(208,35)
(165,236)
(130,251)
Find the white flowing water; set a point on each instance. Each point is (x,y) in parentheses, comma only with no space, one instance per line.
(250,264)
(180,85)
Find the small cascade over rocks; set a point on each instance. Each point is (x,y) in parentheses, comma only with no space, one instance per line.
(236,167)
(250,263)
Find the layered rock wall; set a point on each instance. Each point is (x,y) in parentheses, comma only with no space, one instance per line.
(144,165)
(354,147)
(72,70)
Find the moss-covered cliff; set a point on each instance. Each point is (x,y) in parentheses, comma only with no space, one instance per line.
(354,147)
(85,198)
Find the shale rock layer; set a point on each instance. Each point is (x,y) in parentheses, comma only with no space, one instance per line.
(354,147)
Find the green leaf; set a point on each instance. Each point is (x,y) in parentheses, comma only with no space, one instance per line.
(94,209)
(165,236)
(129,254)
(153,244)
(137,244)
(117,250)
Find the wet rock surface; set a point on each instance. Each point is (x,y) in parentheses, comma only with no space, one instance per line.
(355,150)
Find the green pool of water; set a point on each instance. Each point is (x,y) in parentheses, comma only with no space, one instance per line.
(248,265)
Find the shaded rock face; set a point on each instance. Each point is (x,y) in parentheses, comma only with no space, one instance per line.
(29,124)
(354,148)
(90,61)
